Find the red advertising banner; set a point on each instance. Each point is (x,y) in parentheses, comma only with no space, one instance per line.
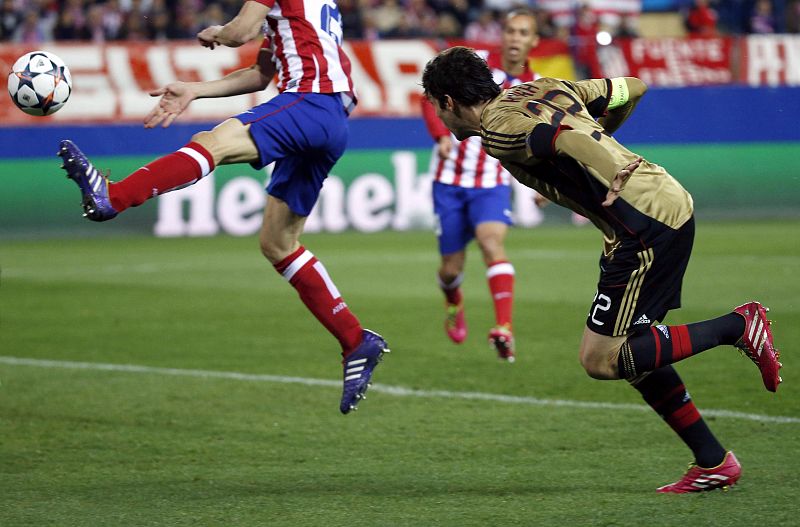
(679,61)
(771,60)
(111,82)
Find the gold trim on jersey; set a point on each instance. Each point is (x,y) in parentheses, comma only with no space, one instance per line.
(631,295)
(628,362)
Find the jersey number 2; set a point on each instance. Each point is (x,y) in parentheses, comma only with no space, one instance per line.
(604,306)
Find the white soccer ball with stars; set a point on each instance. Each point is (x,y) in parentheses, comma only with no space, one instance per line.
(39,83)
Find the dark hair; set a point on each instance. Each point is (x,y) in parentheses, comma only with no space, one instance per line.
(520,11)
(460,73)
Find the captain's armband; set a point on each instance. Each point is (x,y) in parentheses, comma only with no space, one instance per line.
(619,93)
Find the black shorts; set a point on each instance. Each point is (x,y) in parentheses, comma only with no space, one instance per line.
(641,282)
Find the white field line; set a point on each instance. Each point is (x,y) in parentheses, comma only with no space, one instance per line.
(380,388)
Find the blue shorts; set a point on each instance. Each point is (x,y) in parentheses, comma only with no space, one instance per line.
(460,210)
(304,134)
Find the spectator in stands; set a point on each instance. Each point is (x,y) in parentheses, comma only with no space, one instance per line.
(762,20)
(502,6)
(113,19)
(584,44)
(701,19)
(352,23)
(484,29)
(734,15)
(405,29)
(10,19)
(213,15)
(184,26)
(793,16)
(69,26)
(370,28)
(544,23)
(161,5)
(30,30)
(159,26)
(422,17)
(48,14)
(628,27)
(453,11)
(95,30)
(157,19)
(136,26)
(78,10)
(448,26)
(71,23)
(386,17)
(231,7)
(473,20)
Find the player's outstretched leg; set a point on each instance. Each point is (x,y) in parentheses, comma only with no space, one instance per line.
(93,185)
(104,199)
(358,368)
(699,479)
(746,327)
(756,342)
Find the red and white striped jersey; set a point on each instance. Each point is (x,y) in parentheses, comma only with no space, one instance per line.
(305,37)
(468,165)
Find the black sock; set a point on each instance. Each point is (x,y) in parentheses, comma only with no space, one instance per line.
(663,345)
(663,390)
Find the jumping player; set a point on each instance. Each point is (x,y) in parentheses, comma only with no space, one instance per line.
(555,136)
(303,130)
(472,197)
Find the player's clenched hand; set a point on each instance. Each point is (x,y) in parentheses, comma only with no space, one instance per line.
(619,181)
(208,36)
(175,97)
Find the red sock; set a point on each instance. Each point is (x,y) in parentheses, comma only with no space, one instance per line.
(452,291)
(501,285)
(319,294)
(171,172)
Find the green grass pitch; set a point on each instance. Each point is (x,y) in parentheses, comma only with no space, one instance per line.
(151,446)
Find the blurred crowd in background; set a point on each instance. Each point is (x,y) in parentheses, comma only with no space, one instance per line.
(34,21)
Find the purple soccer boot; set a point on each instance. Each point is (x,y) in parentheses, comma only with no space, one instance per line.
(358,367)
(94,185)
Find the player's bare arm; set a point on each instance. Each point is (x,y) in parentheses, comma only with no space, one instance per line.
(176,96)
(244,27)
(632,92)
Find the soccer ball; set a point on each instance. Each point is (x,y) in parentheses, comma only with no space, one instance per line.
(39,83)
